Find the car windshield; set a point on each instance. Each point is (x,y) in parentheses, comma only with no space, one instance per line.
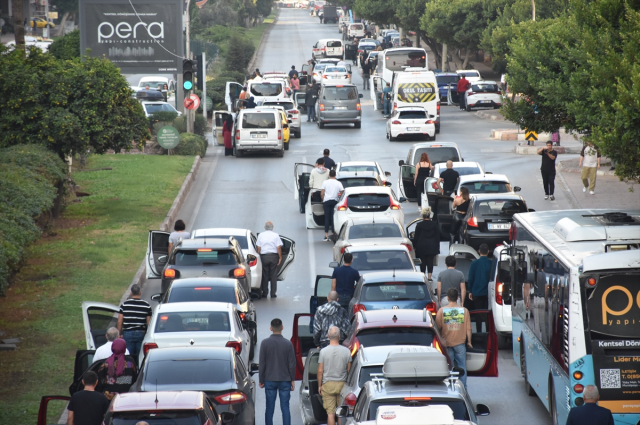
(381,260)
(375,230)
(266,89)
(377,337)
(459,408)
(242,240)
(286,105)
(502,208)
(358,168)
(210,257)
(358,181)
(438,154)
(196,371)
(365,374)
(485,88)
(412,115)
(447,79)
(487,187)
(152,108)
(321,66)
(399,60)
(334,44)
(152,84)
(205,293)
(340,93)
(193,321)
(164,417)
(336,69)
(394,291)
(258,120)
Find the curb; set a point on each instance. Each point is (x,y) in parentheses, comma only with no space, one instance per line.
(524,149)
(140,275)
(255,54)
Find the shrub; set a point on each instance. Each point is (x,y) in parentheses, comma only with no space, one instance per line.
(67,46)
(180,124)
(200,125)
(191,144)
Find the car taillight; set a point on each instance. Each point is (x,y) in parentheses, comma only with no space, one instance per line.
(242,316)
(239,272)
(357,107)
(355,347)
(170,274)
(428,122)
(358,307)
(344,248)
(395,105)
(343,206)
(499,292)
(431,306)
(322,106)
(294,112)
(470,93)
(279,134)
(396,122)
(237,134)
(236,345)
(393,204)
(148,346)
(253,263)
(436,345)
(438,108)
(350,400)
(231,398)
(473,222)
(408,245)
(324,76)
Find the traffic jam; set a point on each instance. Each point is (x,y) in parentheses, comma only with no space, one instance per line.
(552,276)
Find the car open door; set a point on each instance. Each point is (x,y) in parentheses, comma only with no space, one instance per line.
(302,340)
(431,192)
(405,182)
(157,253)
(301,174)
(444,214)
(82,363)
(288,255)
(219,117)
(412,233)
(310,398)
(97,317)
(452,96)
(52,407)
(231,95)
(304,76)
(375,88)
(482,359)
(322,289)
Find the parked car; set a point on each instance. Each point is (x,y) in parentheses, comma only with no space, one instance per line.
(483,94)
(372,258)
(447,81)
(336,75)
(293,114)
(358,166)
(259,130)
(470,74)
(339,104)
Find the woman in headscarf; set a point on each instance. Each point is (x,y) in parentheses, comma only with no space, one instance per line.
(116,375)
(227,132)
(251,103)
(427,241)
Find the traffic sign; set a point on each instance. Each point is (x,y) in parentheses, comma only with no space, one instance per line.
(209,103)
(530,136)
(192,102)
(168,137)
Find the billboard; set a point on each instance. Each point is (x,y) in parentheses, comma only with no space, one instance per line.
(138,36)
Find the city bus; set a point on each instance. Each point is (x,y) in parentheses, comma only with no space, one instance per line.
(574,279)
(399,59)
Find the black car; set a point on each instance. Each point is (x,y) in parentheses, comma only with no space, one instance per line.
(219,372)
(213,289)
(489,218)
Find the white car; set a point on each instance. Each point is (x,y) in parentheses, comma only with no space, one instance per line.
(485,183)
(200,324)
(372,258)
(411,121)
(367,202)
(498,291)
(366,231)
(483,94)
(318,70)
(151,108)
(359,166)
(336,75)
(292,112)
(355,30)
(463,168)
(472,75)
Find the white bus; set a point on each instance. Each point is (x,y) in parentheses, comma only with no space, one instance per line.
(399,59)
(575,300)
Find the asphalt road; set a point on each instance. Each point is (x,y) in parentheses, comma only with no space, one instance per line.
(249,191)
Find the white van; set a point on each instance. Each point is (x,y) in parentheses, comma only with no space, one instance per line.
(355,30)
(259,129)
(268,91)
(328,48)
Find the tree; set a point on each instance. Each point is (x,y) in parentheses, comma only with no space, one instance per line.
(238,53)
(379,11)
(67,105)
(67,46)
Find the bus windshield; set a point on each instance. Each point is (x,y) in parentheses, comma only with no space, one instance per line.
(401,59)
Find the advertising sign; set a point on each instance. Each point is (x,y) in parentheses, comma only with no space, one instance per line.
(141,36)
(416,92)
(168,137)
(614,307)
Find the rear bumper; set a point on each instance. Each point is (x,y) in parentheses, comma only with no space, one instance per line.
(264,146)
(348,116)
(484,104)
(493,239)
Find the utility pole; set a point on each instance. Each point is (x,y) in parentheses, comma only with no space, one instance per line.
(188,56)
(533,9)
(444,57)
(203,101)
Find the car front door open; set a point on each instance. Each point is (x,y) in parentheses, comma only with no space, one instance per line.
(302,340)
(97,317)
(322,289)
(288,256)
(231,95)
(405,181)
(157,253)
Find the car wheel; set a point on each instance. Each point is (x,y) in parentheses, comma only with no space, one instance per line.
(281,154)
(358,125)
(239,153)
(433,138)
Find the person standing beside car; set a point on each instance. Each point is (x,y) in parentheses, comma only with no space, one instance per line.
(329,315)
(366,73)
(330,193)
(449,179)
(386,99)
(269,247)
(334,364)
(450,278)
(328,162)
(423,170)
(227,134)
(133,320)
(178,234)
(454,323)
(479,276)
(427,241)
(310,98)
(461,88)
(344,280)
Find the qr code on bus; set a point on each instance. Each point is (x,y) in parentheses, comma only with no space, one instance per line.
(609,378)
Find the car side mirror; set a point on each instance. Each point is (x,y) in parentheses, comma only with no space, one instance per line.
(361,95)
(254,368)
(163,259)
(401,162)
(432,116)
(156,297)
(251,258)
(516,188)
(333,264)
(387,173)
(482,410)
(402,199)
(531,210)
(289,121)
(227,417)
(251,325)
(388,184)
(417,261)
(342,412)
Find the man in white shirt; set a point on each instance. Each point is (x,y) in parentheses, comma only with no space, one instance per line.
(269,247)
(331,191)
(104,351)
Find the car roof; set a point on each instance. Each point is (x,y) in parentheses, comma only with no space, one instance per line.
(402,389)
(392,276)
(377,318)
(377,355)
(194,306)
(213,231)
(370,220)
(266,109)
(190,352)
(497,196)
(355,163)
(192,282)
(367,189)
(465,164)
(164,400)
(483,177)
(155,78)
(203,243)
(356,174)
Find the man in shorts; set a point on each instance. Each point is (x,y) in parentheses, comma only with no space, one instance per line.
(333,365)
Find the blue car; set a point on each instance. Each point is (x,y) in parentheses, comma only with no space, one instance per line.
(446,79)
(389,290)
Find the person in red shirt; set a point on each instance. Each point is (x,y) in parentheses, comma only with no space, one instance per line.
(463,86)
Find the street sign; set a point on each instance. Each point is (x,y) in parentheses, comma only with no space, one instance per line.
(209,103)
(168,137)
(192,102)
(530,136)
(53,15)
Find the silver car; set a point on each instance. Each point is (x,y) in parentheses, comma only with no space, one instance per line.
(366,231)
(339,104)
(371,258)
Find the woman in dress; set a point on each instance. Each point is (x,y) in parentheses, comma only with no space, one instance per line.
(227,132)
(423,170)
(427,241)
(460,207)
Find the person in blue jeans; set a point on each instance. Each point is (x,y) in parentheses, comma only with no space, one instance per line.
(386,99)
(277,372)
(133,320)
(455,326)
(344,280)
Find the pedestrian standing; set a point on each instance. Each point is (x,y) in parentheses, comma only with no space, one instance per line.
(329,315)
(354,57)
(386,99)
(116,375)
(460,207)
(333,365)
(450,278)
(590,413)
(133,320)
(293,72)
(479,276)
(277,372)
(590,163)
(178,234)
(295,84)
(366,73)
(329,163)
(87,407)
(318,176)
(461,88)
(503,82)
(310,98)
(330,193)
(269,247)
(454,323)
(449,179)
(548,169)
(227,133)
(104,351)
(242,97)
(344,280)
(427,241)
(423,171)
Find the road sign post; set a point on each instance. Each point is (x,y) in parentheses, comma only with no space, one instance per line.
(168,137)
(530,136)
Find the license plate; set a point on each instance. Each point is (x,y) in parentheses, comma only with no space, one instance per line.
(340,107)
(258,136)
(500,226)
(413,128)
(484,101)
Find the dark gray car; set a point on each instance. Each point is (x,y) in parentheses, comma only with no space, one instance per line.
(339,104)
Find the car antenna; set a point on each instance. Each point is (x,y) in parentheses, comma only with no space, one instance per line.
(156,393)
(415,370)
(394,273)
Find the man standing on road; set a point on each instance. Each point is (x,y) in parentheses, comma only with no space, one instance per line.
(548,169)
(450,278)
(293,71)
(590,163)
(333,366)
(454,323)
(88,407)
(328,162)
(277,372)
(479,276)
(343,281)
(386,100)
(317,177)
(462,87)
(329,315)
(104,351)
(366,73)
(269,247)
(590,413)
(330,193)
(133,320)
(450,178)
(310,98)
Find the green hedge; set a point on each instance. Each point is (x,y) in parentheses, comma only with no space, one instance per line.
(191,144)
(28,178)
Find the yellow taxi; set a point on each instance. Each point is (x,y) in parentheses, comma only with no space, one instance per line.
(41,23)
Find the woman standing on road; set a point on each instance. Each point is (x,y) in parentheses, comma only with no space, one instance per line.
(423,170)
(116,375)
(427,241)
(460,207)
(227,131)
(178,234)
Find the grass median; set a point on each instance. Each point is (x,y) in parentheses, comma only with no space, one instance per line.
(255,33)
(91,253)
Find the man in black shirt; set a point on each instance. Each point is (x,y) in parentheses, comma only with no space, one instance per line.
(329,163)
(87,407)
(450,178)
(548,169)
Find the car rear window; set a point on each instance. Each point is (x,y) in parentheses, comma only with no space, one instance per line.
(365,374)
(358,181)
(336,69)
(193,321)
(459,408)
(394,291)
(472,74)
(214,257)
(242,240)
(334,44)
(266,89)
(367,47)
(439,154)
(381,260)
(339,93)
(196,371)
(487,187)
(286,105)
(164,417)
(375,230)
(364,202)
(377,337)
(464,171)
(412,114)
(259,120)
(502,208)
(485,88)
(358,168)
(152,108)
(204,293)
(447,79)
(357,26)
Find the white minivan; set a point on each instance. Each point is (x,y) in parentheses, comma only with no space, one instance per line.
(259,130)
(355,30)
(499,295)
(328,48)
